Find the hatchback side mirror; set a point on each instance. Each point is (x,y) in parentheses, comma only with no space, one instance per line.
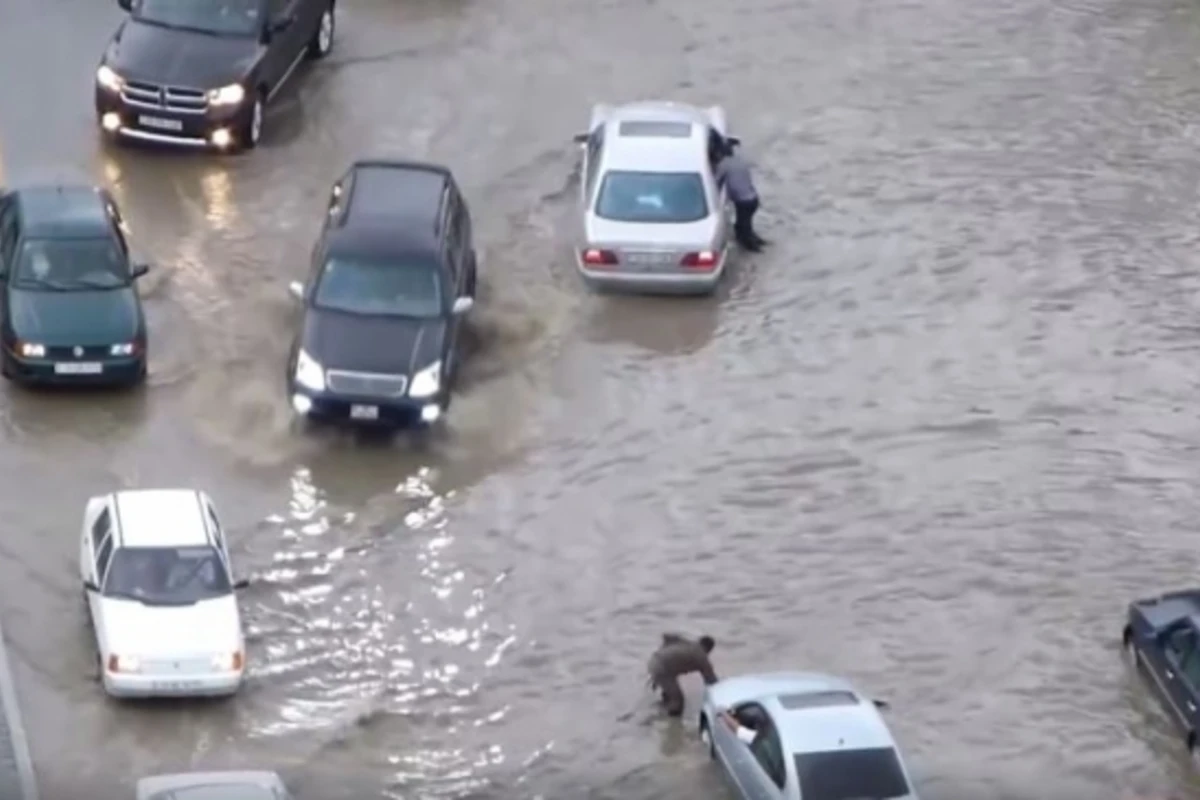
(733,141)
(463,304)
(91,586)
(139,270)
(241,583)
(581,138)
(296,288)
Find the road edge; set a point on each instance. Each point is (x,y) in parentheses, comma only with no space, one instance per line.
(16,727)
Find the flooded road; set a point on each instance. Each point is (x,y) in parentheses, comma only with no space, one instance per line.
(934,439)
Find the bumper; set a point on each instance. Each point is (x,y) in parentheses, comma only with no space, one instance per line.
(217,128)
(216,684)
(366,411)
(696,282)
(105,372)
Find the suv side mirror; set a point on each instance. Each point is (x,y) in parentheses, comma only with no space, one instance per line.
(297,289)
(139,270)
(463,304)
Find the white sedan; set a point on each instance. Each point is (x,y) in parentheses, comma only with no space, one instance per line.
(160,594)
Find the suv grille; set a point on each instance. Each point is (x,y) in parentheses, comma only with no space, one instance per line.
(368,384)
(165,98)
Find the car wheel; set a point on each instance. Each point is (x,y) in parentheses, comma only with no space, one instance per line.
(6,367)
(707,737)
(322,40)
(252,128)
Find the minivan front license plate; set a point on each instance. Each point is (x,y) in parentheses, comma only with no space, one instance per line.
(364,412)
(160,124)
(78,368)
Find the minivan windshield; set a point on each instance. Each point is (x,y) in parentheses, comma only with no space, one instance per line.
(70,265)
(869,774)
(167,576)
(215,17)
(650,197)
(403,288)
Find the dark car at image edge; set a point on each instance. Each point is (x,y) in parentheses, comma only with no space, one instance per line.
(70,313)
(391,281)
(200,73)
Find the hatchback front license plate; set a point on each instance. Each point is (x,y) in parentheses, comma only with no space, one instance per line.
(364,412)
(78,368)
(160,124)
(175,686)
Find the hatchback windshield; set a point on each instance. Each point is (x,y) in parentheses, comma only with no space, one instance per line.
(652,197)
(405,289)
(216,17)
(167,576)
(70,264)
(218,791)
(873,774)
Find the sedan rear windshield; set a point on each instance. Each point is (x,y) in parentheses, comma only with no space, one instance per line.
(70,265)
(167,576)
(873,774)
(214,17)
(382,288)
(652,197)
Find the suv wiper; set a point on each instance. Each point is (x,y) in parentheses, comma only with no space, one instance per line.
(158,23)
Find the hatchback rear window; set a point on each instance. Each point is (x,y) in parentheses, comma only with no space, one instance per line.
(851,775)
(652,197)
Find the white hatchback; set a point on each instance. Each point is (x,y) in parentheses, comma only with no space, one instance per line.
(160,594)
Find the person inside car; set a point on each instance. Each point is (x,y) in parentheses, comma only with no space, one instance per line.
(745,723)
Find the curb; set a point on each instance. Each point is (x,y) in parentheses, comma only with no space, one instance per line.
(10,717)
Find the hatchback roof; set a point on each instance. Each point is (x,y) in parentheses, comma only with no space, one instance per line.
(404,194)
(160,518)
(62,211)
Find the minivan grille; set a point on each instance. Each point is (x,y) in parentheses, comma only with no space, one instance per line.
(165,98)
(367,384)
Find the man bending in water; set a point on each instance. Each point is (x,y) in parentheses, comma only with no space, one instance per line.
(675,657)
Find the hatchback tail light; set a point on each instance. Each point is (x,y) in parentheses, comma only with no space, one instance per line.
(599,258)
(705,259)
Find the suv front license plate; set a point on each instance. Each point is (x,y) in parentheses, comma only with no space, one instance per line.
(160,124)
(364,412)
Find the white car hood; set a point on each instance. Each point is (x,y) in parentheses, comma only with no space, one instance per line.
(205,628)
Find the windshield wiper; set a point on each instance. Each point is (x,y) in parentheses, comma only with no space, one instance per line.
(177,27)
(126,596)
(84,283)
(43,285)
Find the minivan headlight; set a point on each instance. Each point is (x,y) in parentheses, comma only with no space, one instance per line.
(108,78)
(230,95)
(309,373)
(427,382)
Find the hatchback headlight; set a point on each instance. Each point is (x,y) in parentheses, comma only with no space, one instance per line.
(427,382)
(124,349)
(126,664)
(228,662)
(31,350)
(230,95)
(108,78)
(309,373)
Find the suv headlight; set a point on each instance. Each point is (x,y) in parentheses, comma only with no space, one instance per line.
(427,382)
(309,373)
(230,95)
(31,350)
(109,79)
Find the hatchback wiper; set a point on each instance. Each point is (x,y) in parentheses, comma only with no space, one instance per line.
(84,283)
(48,286)
(126,596)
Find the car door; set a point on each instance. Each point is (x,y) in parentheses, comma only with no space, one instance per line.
(103,541)
(768,770)
(285,47)
(735,755)
(1179,645)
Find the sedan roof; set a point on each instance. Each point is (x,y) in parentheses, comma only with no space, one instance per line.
(655,137)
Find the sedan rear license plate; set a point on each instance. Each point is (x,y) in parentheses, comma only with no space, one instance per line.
(175,686)
(648,260)
(160,124)
(364,412)
(78,368)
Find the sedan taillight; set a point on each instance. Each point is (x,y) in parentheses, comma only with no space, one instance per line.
(599,258)
(705,259)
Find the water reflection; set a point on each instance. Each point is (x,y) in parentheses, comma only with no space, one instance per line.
(665,326)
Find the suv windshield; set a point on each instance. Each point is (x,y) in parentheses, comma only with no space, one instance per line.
(387,288)
(167,576)
(652,197)
(216,17)
(873,774)
(70,264)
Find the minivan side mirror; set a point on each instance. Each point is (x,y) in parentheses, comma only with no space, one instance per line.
(297,289)
(139,270)
(463,304)
(91,586)
(126,5)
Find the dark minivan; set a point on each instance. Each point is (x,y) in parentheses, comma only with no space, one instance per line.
(69,310)
(392,278)
(199,73)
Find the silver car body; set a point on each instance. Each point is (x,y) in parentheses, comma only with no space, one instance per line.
(648,255)
(809,714)
(213,786)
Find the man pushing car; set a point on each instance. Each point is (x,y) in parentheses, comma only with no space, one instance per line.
(675,657)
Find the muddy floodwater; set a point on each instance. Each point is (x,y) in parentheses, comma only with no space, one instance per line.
(934,439)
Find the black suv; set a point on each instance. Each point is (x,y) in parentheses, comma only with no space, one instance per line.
(200,72)
(69,311)
(393,275)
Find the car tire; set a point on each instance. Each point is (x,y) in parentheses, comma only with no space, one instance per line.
(322,40)
(6,367)
(707,738)
(253,125)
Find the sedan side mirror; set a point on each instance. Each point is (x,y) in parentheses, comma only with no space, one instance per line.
(297,289)
(139,270)
(241,583)
(463,304)
(581,138)
(91,586)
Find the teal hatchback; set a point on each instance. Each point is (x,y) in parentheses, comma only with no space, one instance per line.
(69,309)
